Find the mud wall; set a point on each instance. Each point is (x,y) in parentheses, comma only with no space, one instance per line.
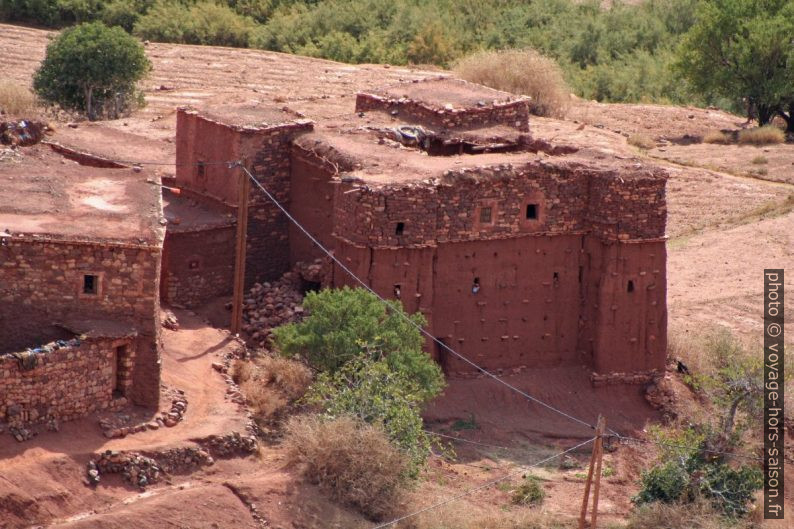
(69,382)
(198,265)
(42,282)
(265,152)
(513,114)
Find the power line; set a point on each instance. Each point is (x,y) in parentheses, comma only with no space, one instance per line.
(480,487)
(689,447)
(401,313)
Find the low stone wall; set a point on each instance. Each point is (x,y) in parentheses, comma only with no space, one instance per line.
(513,113)
(64,381)
(639,377)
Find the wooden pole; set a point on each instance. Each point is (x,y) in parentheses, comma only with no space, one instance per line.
(602,422)
(243,187)
(594,461)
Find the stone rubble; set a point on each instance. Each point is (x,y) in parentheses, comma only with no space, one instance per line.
(113,429)
(272,304)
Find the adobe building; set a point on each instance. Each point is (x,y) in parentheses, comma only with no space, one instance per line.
(519,253)
(80,251)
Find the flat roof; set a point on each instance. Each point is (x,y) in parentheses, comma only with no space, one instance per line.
(49,196)
(439,92)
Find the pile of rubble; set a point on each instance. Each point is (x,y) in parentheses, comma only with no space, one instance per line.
(23,132)
(119,428)
(230,444)
(136,469)
(270,305)
(661,396)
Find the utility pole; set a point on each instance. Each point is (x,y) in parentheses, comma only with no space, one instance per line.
(595,468)
(244,185)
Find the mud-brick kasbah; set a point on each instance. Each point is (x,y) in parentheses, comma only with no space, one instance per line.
(519,253)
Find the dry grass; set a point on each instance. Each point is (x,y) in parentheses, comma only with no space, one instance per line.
(642,141)
(524,72)
(464,516)
(264,401)
(697,515)
(352,461)
(716,136)
(16,100)
(759,160)
(765,135)
(292,377)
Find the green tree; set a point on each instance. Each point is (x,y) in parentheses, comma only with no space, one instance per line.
(743,50)
(346,324)
(92,68)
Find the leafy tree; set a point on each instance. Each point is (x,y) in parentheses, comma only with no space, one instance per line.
(92,68)
(743,49)
(346,324)
(374,392)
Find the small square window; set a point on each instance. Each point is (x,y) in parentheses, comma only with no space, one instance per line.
(201,170)
(194,264)
(90,284)
(400,228)
(532,211)
(485,215)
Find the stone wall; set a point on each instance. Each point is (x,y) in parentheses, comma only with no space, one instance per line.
(42,282)
(514,114)
(198,265)
(67,382)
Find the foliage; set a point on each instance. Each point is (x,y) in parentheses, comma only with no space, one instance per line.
(350,459)
(699,514)
(529,492)
(92,68)
(742,50)
(523,72)
(344,324)
(371,390)
(642,141)
(689,471)
(716,136)
(201,23)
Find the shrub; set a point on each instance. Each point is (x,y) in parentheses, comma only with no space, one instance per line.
(700,514)
(524,72)
(666,483)
(529,492)
(264,401)
(759,160)
(92,68)
(122,13)
(352,461)
(643,141)
(718,137)
(291,377)
(201,23)
(15,99)
(765,135)
(344,324)
(374,392)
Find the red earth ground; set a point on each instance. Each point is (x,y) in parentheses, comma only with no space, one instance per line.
(726,224)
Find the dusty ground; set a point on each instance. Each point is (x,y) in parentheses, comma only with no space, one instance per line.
(726,224)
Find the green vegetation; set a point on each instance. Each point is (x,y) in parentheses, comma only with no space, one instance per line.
(619,53)
(92,68)
(370,365)
(742,49)
(529,492)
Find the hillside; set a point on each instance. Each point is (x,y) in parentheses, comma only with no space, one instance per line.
(726,223)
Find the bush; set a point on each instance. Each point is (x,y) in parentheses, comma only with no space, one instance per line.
(122,13)
(765,135)
(529,492)
(759,160)
(92,68)
(700,514)
(666,483)
(372,391)
(202,23)
(643,141)
(525,72)
(352,461)
(718,137)
(344,324)
(271,384)
(16,100)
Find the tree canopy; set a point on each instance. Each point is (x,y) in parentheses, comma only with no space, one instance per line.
(92,68)
(743,50)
